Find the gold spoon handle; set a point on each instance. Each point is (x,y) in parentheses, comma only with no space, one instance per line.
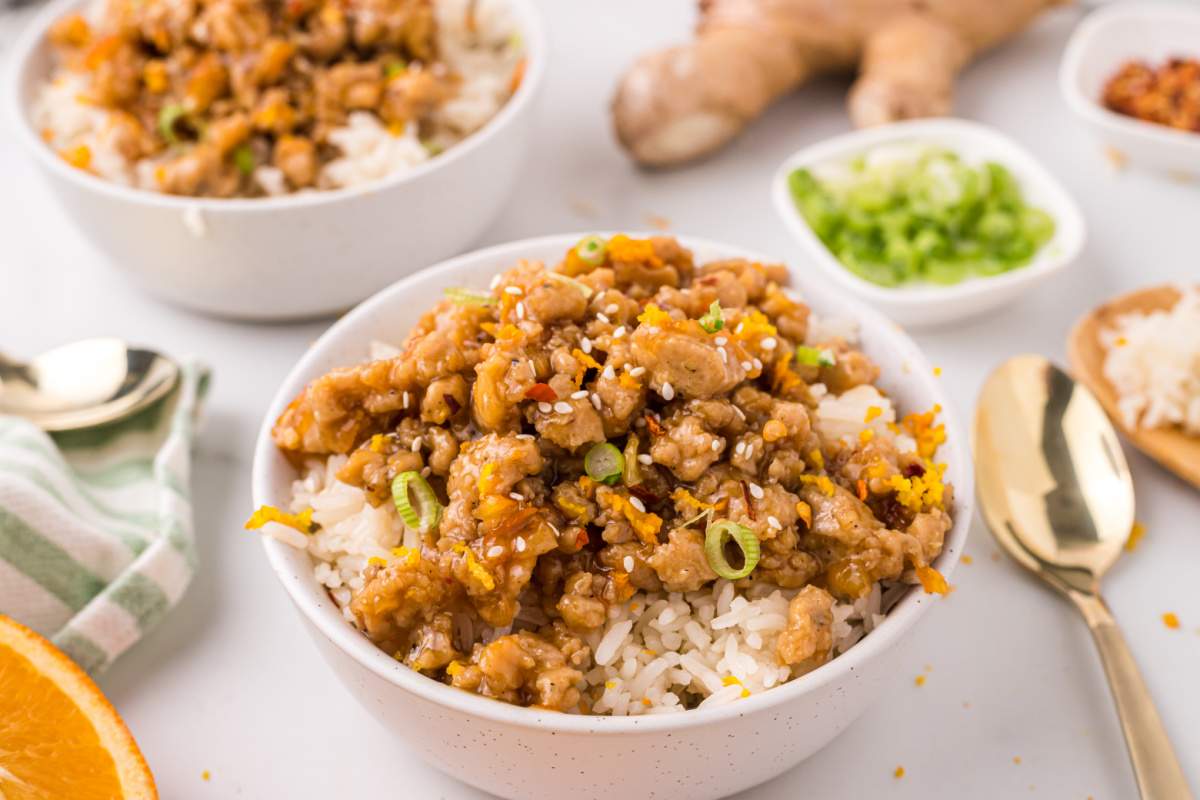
(1157,770)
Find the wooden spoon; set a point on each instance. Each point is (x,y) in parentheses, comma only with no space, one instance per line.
(1171,447)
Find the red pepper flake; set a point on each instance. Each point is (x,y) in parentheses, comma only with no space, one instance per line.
(654,425)
(582,539)
(542,393)
(749,501)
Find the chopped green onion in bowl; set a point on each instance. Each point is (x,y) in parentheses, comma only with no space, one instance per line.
(591,250)
(428,512)
(906,214)
(469,297)
(604,463)
(243,159)
(815,356)
(718,535)
(168,117)
(714,320)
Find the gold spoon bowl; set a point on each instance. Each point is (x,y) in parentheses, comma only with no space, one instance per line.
(1057,495)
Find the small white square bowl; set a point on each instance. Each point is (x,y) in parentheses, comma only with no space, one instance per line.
(927,305)
(1100,45)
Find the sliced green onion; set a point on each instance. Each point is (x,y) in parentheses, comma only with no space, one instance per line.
(432,147)
(714,320)
(583,288)
(715,538)
(815,357)
(631,475)
(470,297)
(168,116)
(243,159)
(604,463)
(429,514)
(393,69)
(591,250)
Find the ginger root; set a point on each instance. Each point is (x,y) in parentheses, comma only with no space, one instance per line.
(677,104)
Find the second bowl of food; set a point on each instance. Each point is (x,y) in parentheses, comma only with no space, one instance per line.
(929,220)
(278,160)
(612,516)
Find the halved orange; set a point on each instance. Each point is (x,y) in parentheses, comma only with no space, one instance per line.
(59,737)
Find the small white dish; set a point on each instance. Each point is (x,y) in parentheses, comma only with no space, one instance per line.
(1100,45)
(518,752)
(926,305)
(297,255)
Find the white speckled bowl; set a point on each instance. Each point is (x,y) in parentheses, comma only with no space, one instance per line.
(518,752)
(297,255)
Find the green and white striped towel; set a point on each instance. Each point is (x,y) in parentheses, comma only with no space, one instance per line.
(96,537)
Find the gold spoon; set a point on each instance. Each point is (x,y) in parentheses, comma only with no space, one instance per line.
(1057,495)
(1172,448)
(84,384)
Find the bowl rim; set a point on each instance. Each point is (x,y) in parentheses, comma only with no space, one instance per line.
(1079,45)
(354,645)
(1071,228)
(533,37)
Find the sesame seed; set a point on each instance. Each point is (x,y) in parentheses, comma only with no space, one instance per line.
(667,392)
(749,450)
(740,413)
(721,340)
(520,311)
(520,498)
(513,290)
(628,563)
(416,444)
(495,551)
(738,329)
(582,393)
(774,523)
(637,371)
(637,503)
(603,319)
(595,398)
(585,344)
(495,282)
(756,491)
(768,343)
(652,329)
(645,458)
(619,332)
(562,407)
(757,364)
(406,399)
(608,372)
(528,437)
(611,308)
(545,408)
(724,354)
(520,544)
(740,448)
(426,472)
(746,365)
(716,445)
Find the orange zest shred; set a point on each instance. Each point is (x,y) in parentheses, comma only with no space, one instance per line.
(804,511)
(586,362)
(920,491)
(866,435)
(774,430)
(1171,620)
(376,561)
(488,480)
(816,458)
(899,773)
(409,556)
(79,156)
(653,315)
(932,581)
(644,523)
(623,248)
(753,326)
(822,482)
(301,522)
(872,413)
(682,495)
(627,381)
(475,569)
(784,378)
(518,75)
(454,669)
(922,429)
(919,680)
(376,445)
(1135,536)
(966,559)
(861,487)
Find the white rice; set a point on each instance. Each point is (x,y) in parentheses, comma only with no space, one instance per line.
(484,58)
(1153,362)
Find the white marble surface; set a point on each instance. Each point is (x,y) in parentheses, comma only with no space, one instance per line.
(231,685)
